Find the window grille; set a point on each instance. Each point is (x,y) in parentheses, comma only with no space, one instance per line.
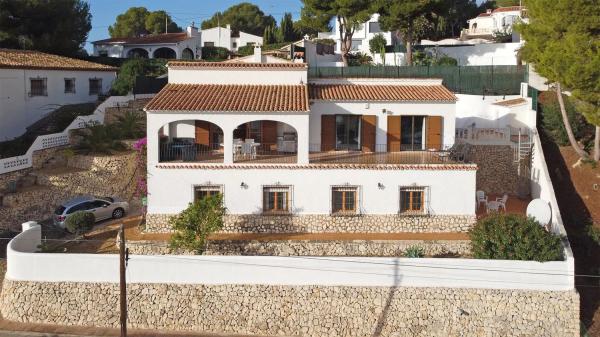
(345,200)
(204,191)
(69,85)
(95,86)
(413,200)
(277,199)
(39,86)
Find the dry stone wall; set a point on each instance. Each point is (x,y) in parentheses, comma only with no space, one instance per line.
(311,248)
(323,223)
(497,171)
(312,311)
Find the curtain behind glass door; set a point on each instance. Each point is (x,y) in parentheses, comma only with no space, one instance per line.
(347,132)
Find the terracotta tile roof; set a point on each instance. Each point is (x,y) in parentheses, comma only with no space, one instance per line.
(230,97)
(508,9)
(358,92)
(484,14)
(31,59)
(424,167)
(511,102)
(200,64)
(148,39)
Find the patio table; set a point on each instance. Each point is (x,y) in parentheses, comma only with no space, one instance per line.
(493,206)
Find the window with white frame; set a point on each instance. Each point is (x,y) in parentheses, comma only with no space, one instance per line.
(412,200)
(69,85)
(205,191)
(38,86)
(344,200)
(277,199)
(95,86)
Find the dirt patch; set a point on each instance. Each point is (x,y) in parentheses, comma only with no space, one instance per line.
(579,203)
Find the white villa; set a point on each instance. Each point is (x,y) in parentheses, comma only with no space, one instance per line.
(497,20)
(33,84)
(361,37)
(292,154)
(184,45)
(225,37)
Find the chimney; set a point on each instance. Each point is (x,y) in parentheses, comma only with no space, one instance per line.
(228,26)
(257,54)
(192,30)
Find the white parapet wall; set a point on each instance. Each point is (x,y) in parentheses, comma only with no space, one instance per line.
(26,265)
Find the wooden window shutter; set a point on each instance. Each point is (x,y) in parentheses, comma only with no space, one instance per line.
(327,132)
(434,132)
(269,135)
(368,133)
(203,133)
(393,133)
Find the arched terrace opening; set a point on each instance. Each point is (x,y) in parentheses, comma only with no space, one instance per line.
(137,53)
(187,54)
(190,141)
(164,53)
(265,141)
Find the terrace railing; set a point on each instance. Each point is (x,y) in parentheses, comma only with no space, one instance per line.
(472,80)
(266,153)
(190,152)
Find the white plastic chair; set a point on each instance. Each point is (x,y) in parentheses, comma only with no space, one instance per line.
(249,140)
(249,150)
(502,201)
(481,198)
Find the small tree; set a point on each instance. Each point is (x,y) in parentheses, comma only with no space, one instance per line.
(79,222)
(194,224)
(514,237)
(377,45)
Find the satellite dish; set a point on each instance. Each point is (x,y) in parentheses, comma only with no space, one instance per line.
(540,210)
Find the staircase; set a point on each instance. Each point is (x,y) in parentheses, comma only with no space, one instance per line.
(522,143)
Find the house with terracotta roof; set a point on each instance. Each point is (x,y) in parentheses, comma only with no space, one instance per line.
(500,19)
(295,154)
(33,84)
(184,45)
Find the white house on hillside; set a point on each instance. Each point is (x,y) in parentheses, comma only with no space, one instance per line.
(293,154)
(34,83)
(361,37)
(184,45)
(498,20)
(226,38)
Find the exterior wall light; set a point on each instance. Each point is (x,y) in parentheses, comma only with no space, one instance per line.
(384,111)
(381,186)
(243,185)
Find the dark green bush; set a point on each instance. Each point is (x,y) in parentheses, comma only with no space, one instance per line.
(79,222)
(134,68)
(99,138)
(514,237)
(214,53)
(552,123)
(245,50)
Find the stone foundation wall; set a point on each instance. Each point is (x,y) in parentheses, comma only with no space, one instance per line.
(312,311)
(311,248)
(323,223)
(497,172)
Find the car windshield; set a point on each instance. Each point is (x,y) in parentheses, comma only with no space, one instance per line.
(59,210)
(109,199)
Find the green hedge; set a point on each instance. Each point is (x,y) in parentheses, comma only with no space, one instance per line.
(79,222)
(514,237)
(133,68)
(214,53)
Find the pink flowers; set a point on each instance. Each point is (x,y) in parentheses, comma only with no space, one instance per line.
(141,144)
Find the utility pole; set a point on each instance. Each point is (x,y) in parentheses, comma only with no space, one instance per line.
(123,257)
(166,25)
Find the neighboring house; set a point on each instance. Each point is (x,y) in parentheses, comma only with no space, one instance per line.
(361,37)
(33,84)
(259,57)
(293,154)
(226,38)
(184,45)
(500,19)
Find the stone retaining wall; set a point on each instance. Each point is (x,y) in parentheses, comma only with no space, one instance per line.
(323,223)
(311,248)
(314,311)
(497,171)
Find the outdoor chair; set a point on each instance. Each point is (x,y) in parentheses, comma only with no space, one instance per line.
(502,201)
(248,150)
(481,198)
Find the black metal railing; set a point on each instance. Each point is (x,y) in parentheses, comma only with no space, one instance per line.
(190,152)
(392,154)
(263,153)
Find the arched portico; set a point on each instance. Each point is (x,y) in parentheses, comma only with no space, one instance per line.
(187,54)
(265,141)
(190,140)
(164,53)
(137,53)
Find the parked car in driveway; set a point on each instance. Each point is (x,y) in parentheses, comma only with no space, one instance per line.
(103,208)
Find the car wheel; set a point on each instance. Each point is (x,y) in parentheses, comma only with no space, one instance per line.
(118,213)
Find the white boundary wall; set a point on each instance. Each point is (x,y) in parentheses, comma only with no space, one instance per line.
(24,265)
(62,138)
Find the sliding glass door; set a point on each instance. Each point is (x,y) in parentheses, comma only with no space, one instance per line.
(347,132)
(412,133)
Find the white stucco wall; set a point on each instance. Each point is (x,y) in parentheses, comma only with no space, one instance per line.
(481,111)
(121,50)
(245,38)
(221,37)
(318,108)
(18,110)
(238,75)
(484,53)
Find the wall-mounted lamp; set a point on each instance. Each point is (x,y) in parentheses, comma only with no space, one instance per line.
(243,185)
(384,111)
(367,105)
(380,185)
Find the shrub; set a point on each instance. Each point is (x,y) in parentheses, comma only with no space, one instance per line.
(359,58)
(79,222)
(246,50)
(194,224)
(98,138)
(214,53)
(130,125)
(133,68)
(551,119)
(414,252)
(514,237)
(593,233)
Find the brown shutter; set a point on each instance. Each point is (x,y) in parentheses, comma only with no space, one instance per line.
(393,133)
(327,132)
(434,132)
(203,133)
(367,134)
(269,135)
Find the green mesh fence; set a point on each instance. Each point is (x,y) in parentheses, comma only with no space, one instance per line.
(474,80)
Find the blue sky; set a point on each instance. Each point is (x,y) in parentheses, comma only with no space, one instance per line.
(183,12)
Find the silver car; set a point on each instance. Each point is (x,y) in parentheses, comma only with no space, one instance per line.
(102,208)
